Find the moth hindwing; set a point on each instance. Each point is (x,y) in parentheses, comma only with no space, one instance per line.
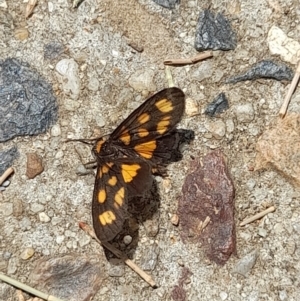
(126,159)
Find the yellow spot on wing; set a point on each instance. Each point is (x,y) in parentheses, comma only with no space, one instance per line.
(129,171)
(112,181)
(164,105)
(144,118)
(162,126)
(146,149)
(101,196)
(107,217)
(99,144)
(106,167)
(119,197)
(143,133)
(125,138)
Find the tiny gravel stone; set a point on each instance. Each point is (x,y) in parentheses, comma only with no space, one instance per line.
(175,219)
(34,165)
(44,217)
(6,209)
(27,253)
(278,228)
(283,296)
(245,264)
(25,224)
(127,239)
(116,268)
(217,106)
(262,232)
(93,84)
(3,266)
(223,296)
(217,128)
(36,207)
(12,265)
(5,183)
(142,80)
(149,260)
(21,34)
(60,239)
(55,130)
(244,112)
(68,75)
(53,50)
(229,125)
(251,183)
(191,107)
(152,225)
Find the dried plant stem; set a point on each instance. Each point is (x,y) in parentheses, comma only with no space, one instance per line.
(28,289)
(119,254)
(6,174)
(169,77)
(187,61)
(257,216)
(292,88)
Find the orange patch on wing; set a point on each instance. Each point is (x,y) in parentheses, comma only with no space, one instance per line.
(119,197)
(125,138)
(112,181)
(162,126)
(101,196)
(146,149)
(144,118)
(164,105)
(106,167)
(143,133)
(129,171)
(99,144)
(107,217)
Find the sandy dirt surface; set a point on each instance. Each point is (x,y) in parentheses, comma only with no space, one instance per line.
(114,79)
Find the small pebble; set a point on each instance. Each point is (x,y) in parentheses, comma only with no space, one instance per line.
(223,296)
(191,107)
(27,253)
(44,217)
(21,34)
(262,232)
(55,131)
(34,165)
(175,219)
(127,239)
(245,264)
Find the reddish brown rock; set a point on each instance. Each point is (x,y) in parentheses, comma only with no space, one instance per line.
(208,192)
(34,165)
(279,148)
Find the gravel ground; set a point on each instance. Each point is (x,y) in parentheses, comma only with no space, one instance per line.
(111,79)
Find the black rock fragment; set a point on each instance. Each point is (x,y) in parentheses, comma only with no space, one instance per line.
(53,50)
(214,32)
(167,3)
(27,103)
(7,157)
(265,69)
(217,106)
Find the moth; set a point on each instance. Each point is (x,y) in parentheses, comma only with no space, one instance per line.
(142,145)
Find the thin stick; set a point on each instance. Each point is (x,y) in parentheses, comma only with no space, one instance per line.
(119,254)
(257,216)
(169,77)
(188,61)
(28,289)
(292,88)
(6,174)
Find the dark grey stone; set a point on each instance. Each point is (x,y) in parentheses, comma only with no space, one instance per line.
(7,157)
(53,50)
(217,106)
(27,103)
(167,3)
(265,69)
(214,32)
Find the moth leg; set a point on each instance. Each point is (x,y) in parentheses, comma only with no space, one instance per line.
(85,141)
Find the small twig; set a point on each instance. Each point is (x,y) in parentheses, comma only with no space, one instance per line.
(119,254)
(28,289)
(292,88)
(169,77)
(29,8)
(6,174)
(257,216)
(188,61)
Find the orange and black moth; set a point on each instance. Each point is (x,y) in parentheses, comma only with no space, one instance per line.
(140,146)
